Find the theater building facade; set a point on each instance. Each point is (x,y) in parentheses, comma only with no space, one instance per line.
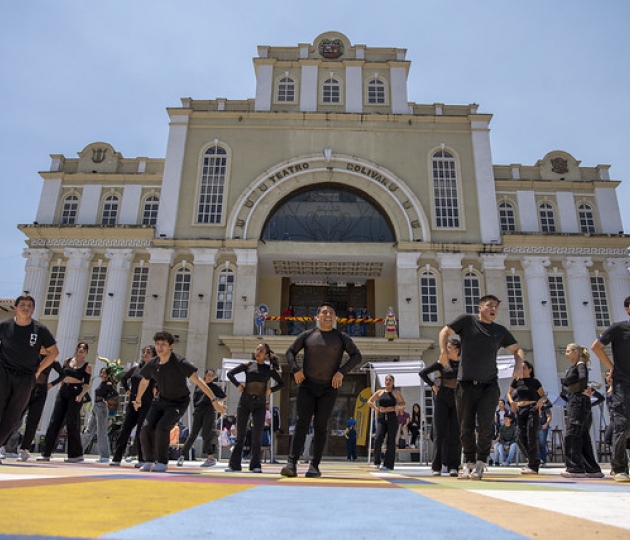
(329,184)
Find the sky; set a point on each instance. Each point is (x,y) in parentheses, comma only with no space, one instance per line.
(555,75)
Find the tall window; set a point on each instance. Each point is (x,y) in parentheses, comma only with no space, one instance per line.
(428,294)
(225,294)
(286,90)
(516,305)
(109,216)
(150,210)
(331,91)
(70,210)
(55,288)
(445,190)
(376,91)
(507,218)
(547,218)
(600,301)
(96,291)
(181,293)
(472,293)
(138,295)
(210,209)
(585,216)
(559,314)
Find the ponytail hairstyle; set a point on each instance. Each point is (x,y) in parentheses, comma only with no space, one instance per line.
(530,366)
(273,357)
(585,356)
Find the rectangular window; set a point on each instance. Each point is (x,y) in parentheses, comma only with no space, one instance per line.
(428,293)
(559,313)
(95,292)
(515,300)
(472,293)
(600,302)
(225,295)
(55,288)
(181,294)
(445,193)
(138,291)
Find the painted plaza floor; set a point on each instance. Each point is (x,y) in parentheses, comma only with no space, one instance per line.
(350,501)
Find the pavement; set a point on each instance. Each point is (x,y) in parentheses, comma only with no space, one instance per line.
(350,501)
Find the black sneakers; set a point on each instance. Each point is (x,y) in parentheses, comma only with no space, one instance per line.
(289,470)
(313,472)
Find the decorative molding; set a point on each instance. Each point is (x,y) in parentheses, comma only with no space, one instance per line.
(91,242)
(565,250)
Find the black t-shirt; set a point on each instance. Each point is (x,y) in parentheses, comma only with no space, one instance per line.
(20,345)
(480,344)
(618,336)
(130,382)
(170,377)
(526,389)
(201,401)
(323,352)
(443,372)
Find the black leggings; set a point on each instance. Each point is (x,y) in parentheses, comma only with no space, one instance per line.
(386,425)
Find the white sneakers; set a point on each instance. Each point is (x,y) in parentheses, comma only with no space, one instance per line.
(472,471)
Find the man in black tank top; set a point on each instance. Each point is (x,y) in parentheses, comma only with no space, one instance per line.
(320,378)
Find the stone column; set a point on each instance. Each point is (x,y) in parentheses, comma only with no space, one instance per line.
(493,266)
(581,307)
(36,272)
(200,304)
(408,286)
(540,322)
(114,302)
(618,286)
(245,291)
(157,288)
(452,294)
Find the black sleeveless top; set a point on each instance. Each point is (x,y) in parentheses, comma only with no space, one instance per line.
(387,399)
(76,373)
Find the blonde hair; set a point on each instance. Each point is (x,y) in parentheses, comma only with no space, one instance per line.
(585,356)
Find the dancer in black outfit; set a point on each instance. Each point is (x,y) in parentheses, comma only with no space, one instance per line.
(204,418)
(527,397)
(170,372)
(579,457)
(319,378)
(67,409)
(387,403)
(448,448)
(134,417)
(478,391)
(252,403)
(21,339)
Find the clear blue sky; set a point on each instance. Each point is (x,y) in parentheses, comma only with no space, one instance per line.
(555,75)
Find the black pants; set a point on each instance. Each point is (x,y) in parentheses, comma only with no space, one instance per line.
(15,391)
(448,448)
(67,410)
(203,420)
(476,403)
(579,456)
(528,419)
(253,406)
(313,401)
(33,413)
(620,420)
(132,419)
(386,425)
(155,436)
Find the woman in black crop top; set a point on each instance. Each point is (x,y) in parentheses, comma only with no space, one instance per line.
(252,403)
(67,410)
(386,403)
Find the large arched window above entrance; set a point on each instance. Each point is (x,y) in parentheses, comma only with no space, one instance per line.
(331,214)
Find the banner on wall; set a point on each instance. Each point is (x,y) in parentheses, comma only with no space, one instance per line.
(362,416)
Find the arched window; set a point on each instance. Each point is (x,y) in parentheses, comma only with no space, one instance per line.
(139,281)
(181,293)
(286,90)
(587,222)
(69,210)
(445,197)
(331,91)
(109,214)
(429,297)
(225,294)
(212,186)
(472,292)
(332,214)
(150,210)
(376,91)
(516,304)
(547,217)
(507,218)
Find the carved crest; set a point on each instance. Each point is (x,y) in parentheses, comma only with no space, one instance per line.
(559,165)
(98,154)
(331,49)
